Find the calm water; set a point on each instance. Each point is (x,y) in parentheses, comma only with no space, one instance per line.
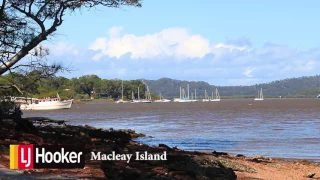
(288,128)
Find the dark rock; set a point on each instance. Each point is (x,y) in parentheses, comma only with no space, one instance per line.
(310,175)
(240,155)
(165,146)
(220,153)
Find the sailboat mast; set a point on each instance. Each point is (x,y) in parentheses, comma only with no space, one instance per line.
(122,91)
(188,90)
(195,93)
(180,92)
(138,94)
(217,94)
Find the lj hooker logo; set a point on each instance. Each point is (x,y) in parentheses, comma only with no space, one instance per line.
(46,156)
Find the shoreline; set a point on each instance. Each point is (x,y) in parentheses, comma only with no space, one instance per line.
(180,164)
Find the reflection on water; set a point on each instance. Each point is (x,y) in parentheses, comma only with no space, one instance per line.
(288,128)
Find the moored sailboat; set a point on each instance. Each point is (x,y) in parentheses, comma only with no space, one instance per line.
(121,100)
(216,97)
(260,96)
(206,98)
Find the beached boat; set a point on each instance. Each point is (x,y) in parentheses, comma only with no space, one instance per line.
(216,97)
(43,104)
(260,96)
(318,96)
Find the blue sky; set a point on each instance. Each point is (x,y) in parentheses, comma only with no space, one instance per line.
(221,42)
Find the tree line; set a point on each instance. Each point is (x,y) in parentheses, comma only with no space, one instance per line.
(84,87)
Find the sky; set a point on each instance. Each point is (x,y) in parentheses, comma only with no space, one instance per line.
(221,42)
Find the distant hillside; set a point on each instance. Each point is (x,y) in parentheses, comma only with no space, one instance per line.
(299,87)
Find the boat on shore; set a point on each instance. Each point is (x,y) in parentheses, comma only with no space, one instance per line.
(43,103)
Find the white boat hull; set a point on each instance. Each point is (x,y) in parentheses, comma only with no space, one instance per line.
(258,99)
(166,100)
(52,105)
(215,100)
(120,101)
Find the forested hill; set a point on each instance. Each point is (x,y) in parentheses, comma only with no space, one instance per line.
(299,87)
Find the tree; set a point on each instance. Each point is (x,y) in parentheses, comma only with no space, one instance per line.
(24,24)
(85,84)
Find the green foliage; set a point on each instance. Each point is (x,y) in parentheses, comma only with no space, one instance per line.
(308,93)
(89,86)
(84,87)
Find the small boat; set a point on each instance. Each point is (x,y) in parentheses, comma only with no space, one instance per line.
(260,96)
(217,96)
(318,96)
(43,103)
(166,100)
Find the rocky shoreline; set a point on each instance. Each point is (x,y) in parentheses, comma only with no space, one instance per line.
(179,164)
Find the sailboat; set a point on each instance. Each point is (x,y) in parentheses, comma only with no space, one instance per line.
(137,100)
(260,96)
(121,100)
(147,96)
(195,96)
(206,99)
(217,96)
(162,99)
(183,96)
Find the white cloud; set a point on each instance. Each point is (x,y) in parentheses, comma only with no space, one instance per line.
(248,72)
(62,48)
(176,42)
(177,53)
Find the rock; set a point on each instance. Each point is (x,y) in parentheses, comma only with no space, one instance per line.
(165,146)
(9,123)
(220,153)
(310,175)
(240,155)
